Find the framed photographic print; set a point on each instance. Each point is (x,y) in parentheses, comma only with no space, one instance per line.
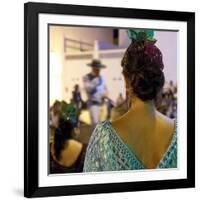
(109,99)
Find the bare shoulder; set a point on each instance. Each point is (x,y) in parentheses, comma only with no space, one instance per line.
(119,126)
(166,122)
(71,152)
(74,143)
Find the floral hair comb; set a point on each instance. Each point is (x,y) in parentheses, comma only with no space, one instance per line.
(140,35)
(150,50)
(69,112)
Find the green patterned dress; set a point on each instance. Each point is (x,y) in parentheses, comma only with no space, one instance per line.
(106,151)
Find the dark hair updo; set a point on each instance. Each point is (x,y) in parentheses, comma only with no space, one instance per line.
(142,65)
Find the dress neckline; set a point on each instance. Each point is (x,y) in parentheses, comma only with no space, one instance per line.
(132,153)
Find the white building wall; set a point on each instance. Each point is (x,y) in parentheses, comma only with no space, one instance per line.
(73,70)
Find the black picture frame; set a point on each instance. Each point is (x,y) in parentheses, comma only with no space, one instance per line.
(31,12)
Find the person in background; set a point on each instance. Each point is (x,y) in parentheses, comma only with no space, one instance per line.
(76,98)
(142,138)
(110,105)
(168,102)
(119,108)
(171,86)
(118,111)
(53,119)
(96,90)
(66,154)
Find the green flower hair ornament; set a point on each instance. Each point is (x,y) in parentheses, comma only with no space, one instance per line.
(69,112)
(140,35)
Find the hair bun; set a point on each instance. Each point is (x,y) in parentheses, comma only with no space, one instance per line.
(147,82)
(142,65)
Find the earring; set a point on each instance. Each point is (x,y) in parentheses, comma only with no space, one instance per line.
(129,95)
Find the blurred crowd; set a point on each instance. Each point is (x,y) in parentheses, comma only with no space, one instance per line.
(166,102)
